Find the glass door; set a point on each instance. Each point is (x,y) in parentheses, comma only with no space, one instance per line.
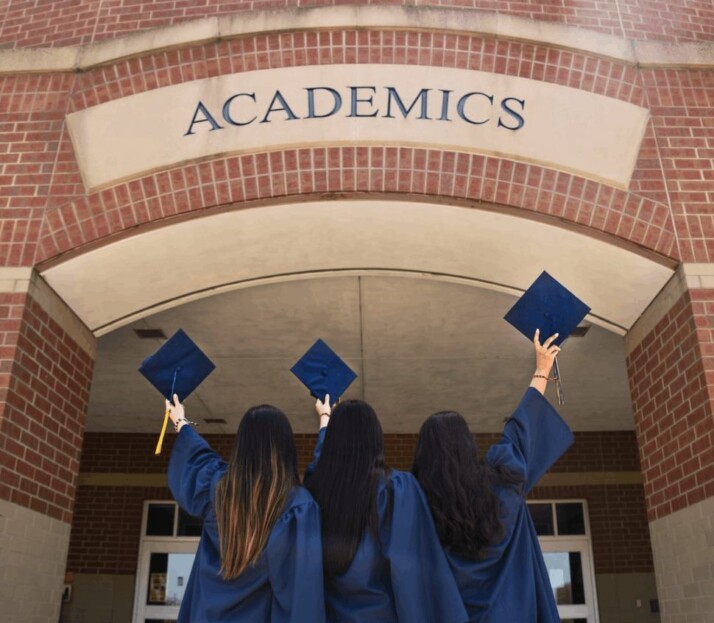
(569,570)
(164,573)
(168,548)
(564,536)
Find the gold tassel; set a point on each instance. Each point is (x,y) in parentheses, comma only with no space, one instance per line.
(163,432)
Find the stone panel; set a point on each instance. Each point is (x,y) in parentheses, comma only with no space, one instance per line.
(33,550)
(627,597)
(683,546)
(100,598)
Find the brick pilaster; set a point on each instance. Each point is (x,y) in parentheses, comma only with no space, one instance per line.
(671,379)
(44,389)
(671,370)
(46,362)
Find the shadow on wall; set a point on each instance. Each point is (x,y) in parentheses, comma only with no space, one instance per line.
(627,597)
(99,598)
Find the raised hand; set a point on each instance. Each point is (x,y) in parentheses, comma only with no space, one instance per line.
(545,356)
(324,410)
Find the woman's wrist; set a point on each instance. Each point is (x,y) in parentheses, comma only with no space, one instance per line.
(539,382)
(181,422)
(324,420)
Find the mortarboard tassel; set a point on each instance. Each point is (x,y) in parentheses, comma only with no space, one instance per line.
(558,384)
(166,417)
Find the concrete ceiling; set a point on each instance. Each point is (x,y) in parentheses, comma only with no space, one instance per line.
(411,294)
(418,345)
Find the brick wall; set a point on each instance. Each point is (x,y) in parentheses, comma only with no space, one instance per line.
(681,104)
(671,375)
(618,524)
(134,452)
(31,125)
(26,23)
(107,522)
(106,529)
(44,390)
(610,451)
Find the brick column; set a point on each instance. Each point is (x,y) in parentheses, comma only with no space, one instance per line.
(46,363)
(671,370)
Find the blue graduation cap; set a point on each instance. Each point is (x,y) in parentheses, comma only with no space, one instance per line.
(549,306)
(322,371)
(178,367)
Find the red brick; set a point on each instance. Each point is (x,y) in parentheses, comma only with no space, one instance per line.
(43,441)
(106,542)
(678,450)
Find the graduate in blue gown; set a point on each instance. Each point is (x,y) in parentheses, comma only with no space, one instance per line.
(480,510)
(382,558)
(259,559)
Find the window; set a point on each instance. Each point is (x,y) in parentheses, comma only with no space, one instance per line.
(564,536)
(168,546)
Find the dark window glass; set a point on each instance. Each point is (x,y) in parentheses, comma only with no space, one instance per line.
(576,576)
(189,526)
(542,515)
(571,519)
(160,520)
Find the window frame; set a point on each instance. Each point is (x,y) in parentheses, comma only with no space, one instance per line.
(574,543)
(152,544)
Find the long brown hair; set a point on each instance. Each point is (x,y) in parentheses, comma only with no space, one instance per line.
(460,489)
(346,481)
(250,497)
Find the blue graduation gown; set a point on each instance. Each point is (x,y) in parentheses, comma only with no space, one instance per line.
(285,585)
(404,577)
(511,582)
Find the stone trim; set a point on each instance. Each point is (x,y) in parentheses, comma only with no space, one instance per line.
(112,479)
(560,479)
(692,276)
(25,281)
(692,55)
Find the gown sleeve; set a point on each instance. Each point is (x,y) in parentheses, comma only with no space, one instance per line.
(193,468)
(295,565)
(318,448)
(424,587)
(533,439)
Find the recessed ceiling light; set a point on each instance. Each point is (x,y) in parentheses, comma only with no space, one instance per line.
(580,331)
(145,334)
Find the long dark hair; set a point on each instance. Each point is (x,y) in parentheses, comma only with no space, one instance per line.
(252,494)
(458,486)
(346,480)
